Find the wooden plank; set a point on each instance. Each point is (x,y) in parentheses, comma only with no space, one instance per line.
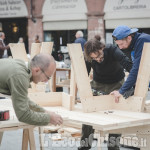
(52,83)
(71,130)
(41,139)
(103,102)
(18,51)
(82,79)
(72,88)
(1,136)
(41,87)
(147,106)
(35,49)
(78,63)
(133,103)
(144,73)
(46,47)
(47,99)
(66,101)
(31,139)
(25,139)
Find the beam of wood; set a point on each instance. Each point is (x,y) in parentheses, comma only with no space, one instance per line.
(144,73)
(1,136)
(79,67)
(66,101)
(82,79)
(103,102)
(18,51)
(25,139)
(52,83)
(72,88)
(41,140)
(35,49)
(133,103)
(46,47)
(47,99)
(32,139)
(147,106)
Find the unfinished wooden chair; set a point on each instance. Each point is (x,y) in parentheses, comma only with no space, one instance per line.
(92,103)
(46,47)
(35,49)
(18,51)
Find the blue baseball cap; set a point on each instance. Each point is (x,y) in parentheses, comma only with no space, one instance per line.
(123,31)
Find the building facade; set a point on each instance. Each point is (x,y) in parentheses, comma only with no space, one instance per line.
(58,20)
(51,20)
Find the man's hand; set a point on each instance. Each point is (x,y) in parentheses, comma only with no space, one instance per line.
(55,119)
(116,95)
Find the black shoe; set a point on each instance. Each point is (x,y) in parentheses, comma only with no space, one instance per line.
(83,148)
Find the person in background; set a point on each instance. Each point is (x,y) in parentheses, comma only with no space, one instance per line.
(3,47)
(15,78)
(37,39)
(20,40)
(129,38)
(80,39)
(108,63)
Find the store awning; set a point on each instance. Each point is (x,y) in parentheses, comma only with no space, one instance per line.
(13,9)
(64,15)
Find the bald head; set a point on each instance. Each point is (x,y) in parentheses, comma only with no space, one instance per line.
(42,60)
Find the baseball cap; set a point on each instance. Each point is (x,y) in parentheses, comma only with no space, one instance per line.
(123,31)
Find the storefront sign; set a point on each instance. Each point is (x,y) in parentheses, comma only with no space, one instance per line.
(72,9)
(12,8)
(134,13)
(126,5)
(63,4)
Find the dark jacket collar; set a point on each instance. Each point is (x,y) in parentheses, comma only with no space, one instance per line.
(137,34)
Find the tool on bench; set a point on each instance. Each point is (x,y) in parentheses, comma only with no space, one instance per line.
(97,92)
(4,115)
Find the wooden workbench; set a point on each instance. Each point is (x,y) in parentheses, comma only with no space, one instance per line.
(112,121)
(14,124)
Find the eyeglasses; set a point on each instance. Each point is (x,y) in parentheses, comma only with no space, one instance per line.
(99,56)
(48,78)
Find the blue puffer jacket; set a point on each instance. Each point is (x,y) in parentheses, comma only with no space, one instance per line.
(137,44)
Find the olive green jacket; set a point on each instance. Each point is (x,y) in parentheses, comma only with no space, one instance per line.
(15,78)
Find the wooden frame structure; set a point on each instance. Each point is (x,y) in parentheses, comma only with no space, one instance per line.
(104,114)
(18,51)
(92,103)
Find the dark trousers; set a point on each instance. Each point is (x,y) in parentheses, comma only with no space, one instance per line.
(87,139)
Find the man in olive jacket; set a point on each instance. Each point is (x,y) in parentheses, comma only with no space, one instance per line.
(15,78)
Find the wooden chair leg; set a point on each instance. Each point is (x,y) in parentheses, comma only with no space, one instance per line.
(1,136)
(25,139)
(32,139)
(40,138)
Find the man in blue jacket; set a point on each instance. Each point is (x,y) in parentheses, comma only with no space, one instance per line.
(126,37)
